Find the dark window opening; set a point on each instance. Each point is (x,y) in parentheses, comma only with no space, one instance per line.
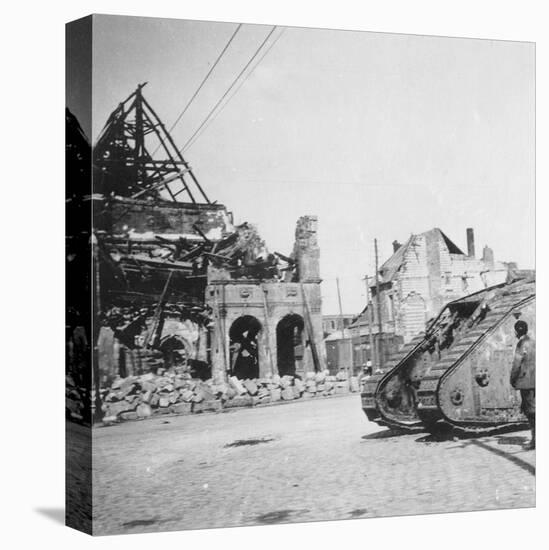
(244,347)
(290,345)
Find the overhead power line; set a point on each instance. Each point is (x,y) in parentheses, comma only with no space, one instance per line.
(203,82)
(229,88)
(234,93)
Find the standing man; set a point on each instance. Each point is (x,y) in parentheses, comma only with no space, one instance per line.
(523,375)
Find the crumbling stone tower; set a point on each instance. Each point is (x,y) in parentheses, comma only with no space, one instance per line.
(306,250)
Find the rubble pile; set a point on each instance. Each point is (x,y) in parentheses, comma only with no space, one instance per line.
(75,408)
(137,397)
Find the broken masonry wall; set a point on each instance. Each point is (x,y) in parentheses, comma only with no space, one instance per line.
(430,277)
(119,215)
(182,343)
(269,303)
(306,250)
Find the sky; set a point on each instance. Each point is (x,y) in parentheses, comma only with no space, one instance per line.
(379,135)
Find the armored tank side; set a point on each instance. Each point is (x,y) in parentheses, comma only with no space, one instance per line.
(469,387)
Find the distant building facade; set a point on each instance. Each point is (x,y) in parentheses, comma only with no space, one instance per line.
(422,275)
(332,323)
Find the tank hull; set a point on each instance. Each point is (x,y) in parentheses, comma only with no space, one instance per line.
(457,374)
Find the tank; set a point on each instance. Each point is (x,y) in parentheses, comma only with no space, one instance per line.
(457,372)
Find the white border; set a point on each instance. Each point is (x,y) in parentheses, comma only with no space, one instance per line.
(32,253)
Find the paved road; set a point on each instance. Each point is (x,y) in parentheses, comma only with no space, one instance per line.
(312,460)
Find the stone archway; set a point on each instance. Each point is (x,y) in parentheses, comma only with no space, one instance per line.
(243,336)
(290,344)
(176,351)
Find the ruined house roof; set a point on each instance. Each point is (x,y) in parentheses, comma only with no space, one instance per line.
(392,266)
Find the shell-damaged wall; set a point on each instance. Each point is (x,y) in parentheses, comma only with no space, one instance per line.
(272,305)
(241,280)
(119,215)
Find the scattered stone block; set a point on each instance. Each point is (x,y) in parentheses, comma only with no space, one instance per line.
(117,383)
(129,415)
(263,392)
(164,401)
(198,396)
(117,408)
(287,394)
(320,377)
(208,393)
(148,386)
(154,400)
(298,384)
(276,394)
(251,387)
(128,384)
(143,410)
(230,393)
(237,385)
(179,383)
(186,395)
(182,408)
(243,401)
(146,397)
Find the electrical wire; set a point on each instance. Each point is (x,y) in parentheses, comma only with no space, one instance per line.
(229,88)
(235,92)
(202,83)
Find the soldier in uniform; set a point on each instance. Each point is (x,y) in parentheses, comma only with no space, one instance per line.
(523,375)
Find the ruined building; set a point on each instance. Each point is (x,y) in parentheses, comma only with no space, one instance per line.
(423,275)
(177,284)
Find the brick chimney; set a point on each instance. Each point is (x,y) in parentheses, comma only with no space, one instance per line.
(488,256)
(470,242)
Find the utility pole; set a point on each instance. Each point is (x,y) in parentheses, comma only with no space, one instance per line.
(349,367)
(370,321)
(379,320)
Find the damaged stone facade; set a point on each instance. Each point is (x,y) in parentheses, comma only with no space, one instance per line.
(274,326)
(183,288)
(182,298)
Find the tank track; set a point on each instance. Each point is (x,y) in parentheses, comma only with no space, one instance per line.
(428,407)
(371,385)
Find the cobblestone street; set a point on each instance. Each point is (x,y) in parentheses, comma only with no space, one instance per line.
(305,461)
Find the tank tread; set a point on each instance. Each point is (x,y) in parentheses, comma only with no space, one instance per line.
(370,405)
(428,408)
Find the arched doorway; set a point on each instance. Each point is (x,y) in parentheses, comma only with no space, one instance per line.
(175,352)
(244,347)
(289,344)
